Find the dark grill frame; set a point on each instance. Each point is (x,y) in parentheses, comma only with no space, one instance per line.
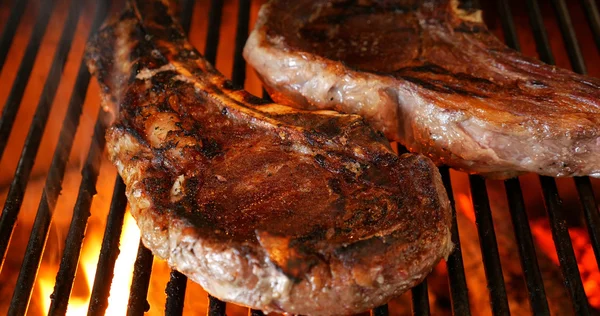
(176,287)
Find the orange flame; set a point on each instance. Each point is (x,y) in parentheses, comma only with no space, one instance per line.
(119,291)
(586,262)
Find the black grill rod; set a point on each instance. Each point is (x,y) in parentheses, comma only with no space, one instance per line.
(255,312)
(558,225)
(10,28)
(454,264)
(214,27)
(185,16)
(420,299)
(591,213)
(11,107)
(489,246)
(215,306)
(527,253)
(380,311)
(175,293)
(568,33)
(539,31)
(43,219)
(109,251)
(591,12)
(142,271)
(508,25)
(239,64)
(564,248)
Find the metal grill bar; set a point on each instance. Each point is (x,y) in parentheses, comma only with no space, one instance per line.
(11,107)
(591,12)
(175,293)
(454,264)
(380,311)
(214,25)
(564,248)
(568,32)
(8,34)
(215,307)
(238,75)
(81,214)
(141,281)
(420,299)
(489,246)
(539,31)
(590,211)
(109,251)
(529,263)
(254,312)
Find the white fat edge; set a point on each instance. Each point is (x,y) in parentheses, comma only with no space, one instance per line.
(186,76)
(177,191)
(146,73)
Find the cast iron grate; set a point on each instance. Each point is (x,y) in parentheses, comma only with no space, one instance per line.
(176,287)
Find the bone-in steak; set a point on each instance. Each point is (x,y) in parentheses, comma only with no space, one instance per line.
(262,204)
(428,73)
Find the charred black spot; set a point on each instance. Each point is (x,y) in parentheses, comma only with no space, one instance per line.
(228,85)
(335,185)
(162,79)
(426,84)
(330,128)
(320,159)
(254,100)
(425,68)
(224,111)
(210,148)
(310,136)
(156,185)
(537,84)
(442,87)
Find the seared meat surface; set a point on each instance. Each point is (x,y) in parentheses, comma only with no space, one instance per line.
(429,74)
(263,205)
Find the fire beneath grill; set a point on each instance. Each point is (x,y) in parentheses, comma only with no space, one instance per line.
(508,242)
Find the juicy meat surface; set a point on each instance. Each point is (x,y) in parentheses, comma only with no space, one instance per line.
(430,75)
(263,205)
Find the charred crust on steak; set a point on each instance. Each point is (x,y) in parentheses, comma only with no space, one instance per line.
(263,205)
(429,74)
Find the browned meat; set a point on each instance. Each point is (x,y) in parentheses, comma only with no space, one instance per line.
(263,205)
(429,74)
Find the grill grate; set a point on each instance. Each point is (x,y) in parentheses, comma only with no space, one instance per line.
(176,287)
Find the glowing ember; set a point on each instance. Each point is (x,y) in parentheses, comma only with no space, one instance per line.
(583,252)
(119,292)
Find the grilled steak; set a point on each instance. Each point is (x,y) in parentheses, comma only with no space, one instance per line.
(263,205)
(429,74)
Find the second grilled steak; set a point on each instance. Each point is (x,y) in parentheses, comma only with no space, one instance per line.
(429,74)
